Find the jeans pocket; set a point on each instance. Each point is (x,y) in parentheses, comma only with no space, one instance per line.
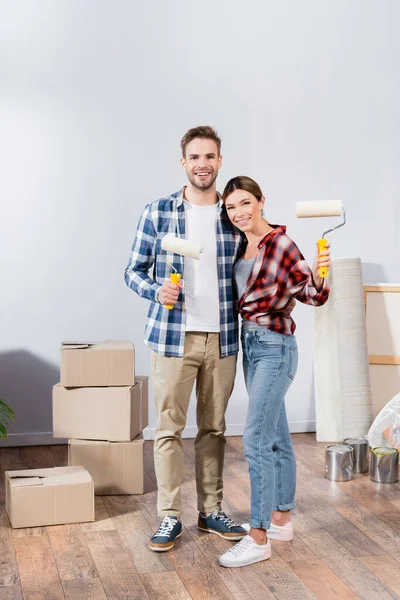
(293,362)
(269,338)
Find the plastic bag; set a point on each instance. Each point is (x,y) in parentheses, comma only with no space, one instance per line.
(385,430)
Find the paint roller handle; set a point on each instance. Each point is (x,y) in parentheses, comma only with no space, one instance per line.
(175,278)
(323,271)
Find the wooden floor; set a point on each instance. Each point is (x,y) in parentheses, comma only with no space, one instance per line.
(347,542)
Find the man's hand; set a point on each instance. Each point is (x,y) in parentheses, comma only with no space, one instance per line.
(169,292)
(322,259)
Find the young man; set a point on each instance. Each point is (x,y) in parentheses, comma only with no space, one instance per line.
(197,340)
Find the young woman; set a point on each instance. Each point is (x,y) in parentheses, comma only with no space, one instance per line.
(270,275)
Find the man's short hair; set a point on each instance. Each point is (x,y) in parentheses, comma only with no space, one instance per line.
(205,132)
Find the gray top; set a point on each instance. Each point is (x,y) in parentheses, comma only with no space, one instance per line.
(241,273)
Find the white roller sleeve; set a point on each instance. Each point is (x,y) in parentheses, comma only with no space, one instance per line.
(171,243)
(342,385)
(320,208)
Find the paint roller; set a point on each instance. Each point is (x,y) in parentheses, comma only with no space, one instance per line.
(322,208)
(171,243)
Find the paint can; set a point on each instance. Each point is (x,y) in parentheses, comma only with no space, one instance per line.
(361,453)
(339,460)
(384,465)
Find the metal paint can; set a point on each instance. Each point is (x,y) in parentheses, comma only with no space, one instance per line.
(361,453)
(384,465)
(339,460)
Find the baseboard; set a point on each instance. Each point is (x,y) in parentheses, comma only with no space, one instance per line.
(46,438)
(302,426)
(231,430)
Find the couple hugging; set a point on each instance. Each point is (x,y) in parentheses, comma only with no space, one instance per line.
(249,268)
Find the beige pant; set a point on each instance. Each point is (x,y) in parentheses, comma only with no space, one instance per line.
(173,380)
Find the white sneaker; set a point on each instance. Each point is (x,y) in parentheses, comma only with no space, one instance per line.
(245,552)
(282,533)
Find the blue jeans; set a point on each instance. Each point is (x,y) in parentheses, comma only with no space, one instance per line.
(269,364)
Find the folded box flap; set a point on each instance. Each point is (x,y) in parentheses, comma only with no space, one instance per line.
(115,345)
(82,442)
(76,345)
(104,345)
(68,478)
(120,344)
(46,473)
(26,481)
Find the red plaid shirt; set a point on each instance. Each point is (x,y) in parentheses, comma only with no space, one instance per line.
(280,276)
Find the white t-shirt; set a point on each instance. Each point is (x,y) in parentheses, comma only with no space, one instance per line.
(200,277)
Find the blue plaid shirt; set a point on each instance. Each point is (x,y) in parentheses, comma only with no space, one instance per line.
(165,329)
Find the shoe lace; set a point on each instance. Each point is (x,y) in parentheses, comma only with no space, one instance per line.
(242,545)
(219,515)
(166,526)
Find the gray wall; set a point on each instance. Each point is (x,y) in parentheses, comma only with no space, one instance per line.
(94,97)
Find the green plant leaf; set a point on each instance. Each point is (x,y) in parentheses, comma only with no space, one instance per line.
(6,416)
(6,409)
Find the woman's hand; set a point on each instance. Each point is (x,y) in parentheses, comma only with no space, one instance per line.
(322,259)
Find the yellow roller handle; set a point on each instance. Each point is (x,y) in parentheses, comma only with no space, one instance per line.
(175,278)
(323,271)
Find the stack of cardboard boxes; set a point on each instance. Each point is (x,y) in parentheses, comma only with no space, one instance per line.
(102,407)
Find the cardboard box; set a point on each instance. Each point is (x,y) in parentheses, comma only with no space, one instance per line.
(115,467)
(37,497)
(114,414)
(95,364)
